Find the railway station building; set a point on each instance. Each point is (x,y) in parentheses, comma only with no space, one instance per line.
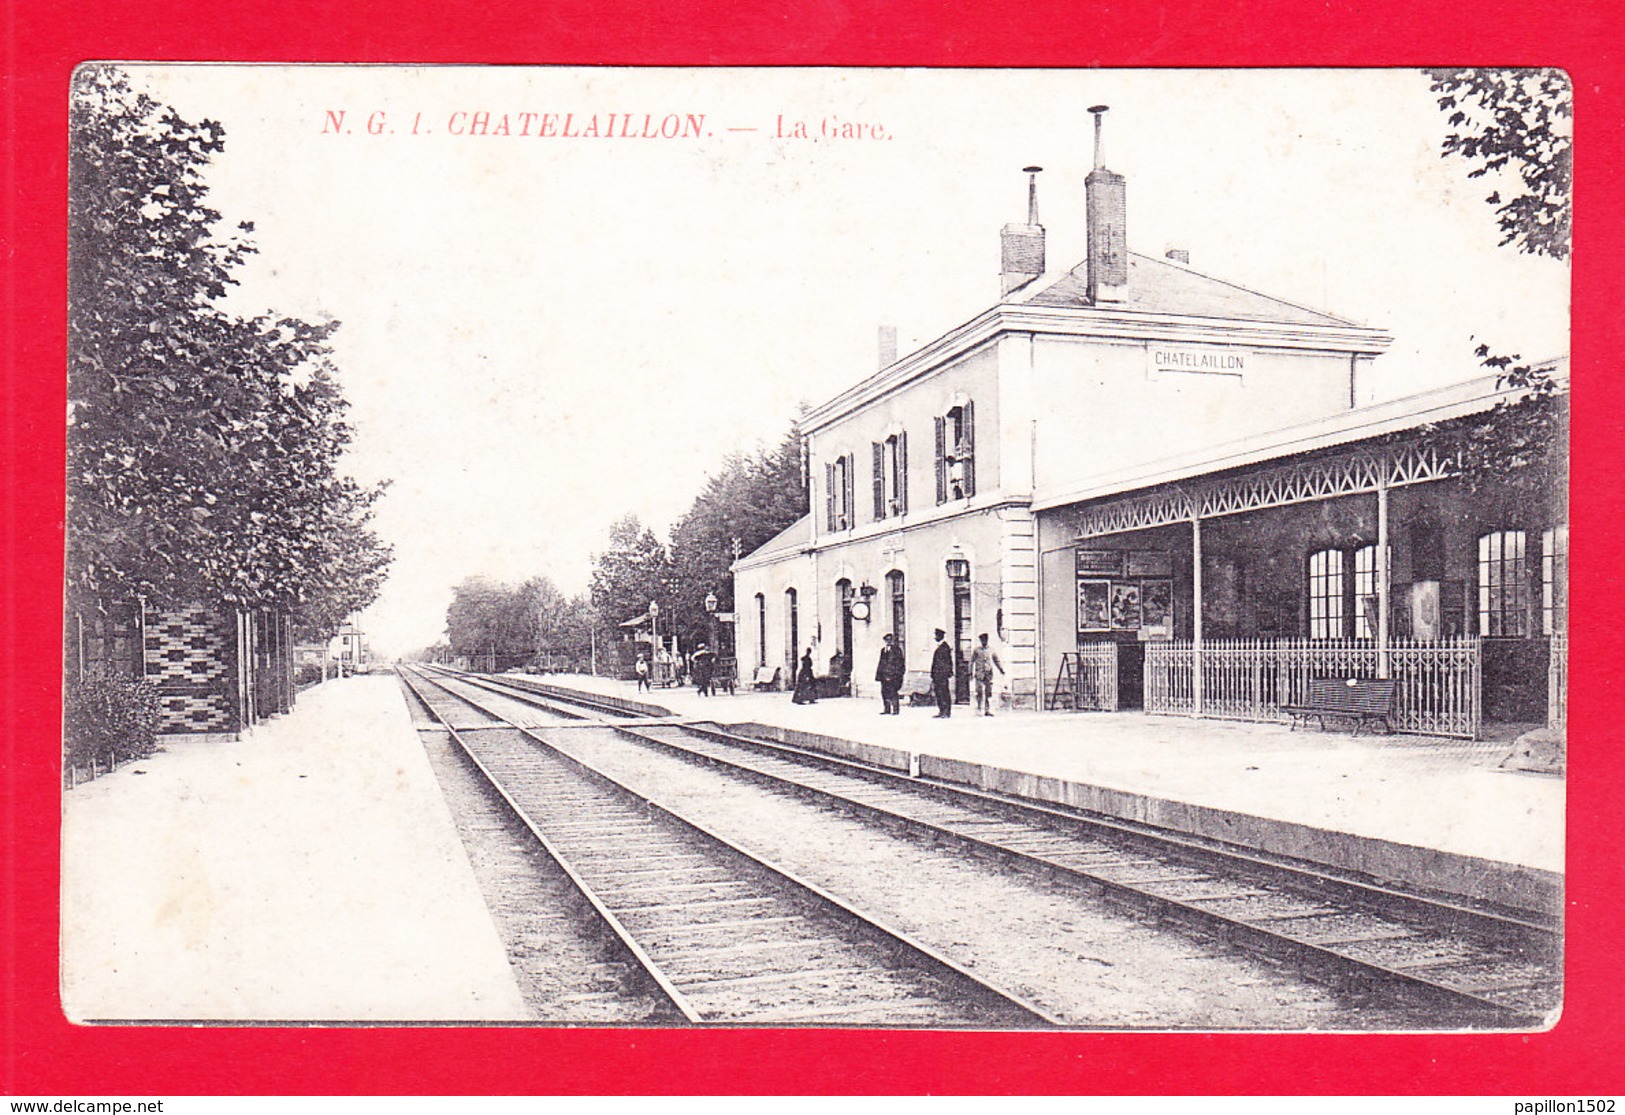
(1155,489)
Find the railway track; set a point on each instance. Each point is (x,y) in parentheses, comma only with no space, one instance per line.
(726,937)
(1479,968)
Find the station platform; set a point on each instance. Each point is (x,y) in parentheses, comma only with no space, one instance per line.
(309,871)
(1420,811)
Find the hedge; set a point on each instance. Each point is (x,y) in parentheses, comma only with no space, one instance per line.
(108,719)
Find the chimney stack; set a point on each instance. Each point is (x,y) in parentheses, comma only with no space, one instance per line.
(888,345)
(1022,246)
(1178,255)
(1105,195)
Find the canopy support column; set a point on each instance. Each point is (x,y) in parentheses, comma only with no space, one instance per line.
(1196,614)
(1383,577)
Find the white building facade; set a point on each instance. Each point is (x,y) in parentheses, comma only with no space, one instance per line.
(923,476)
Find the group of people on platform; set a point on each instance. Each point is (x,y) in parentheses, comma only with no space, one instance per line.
(700,668)
(889,672)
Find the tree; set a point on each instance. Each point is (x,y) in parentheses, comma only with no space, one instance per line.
(1515,125)
(631,573)
(487,617)
(559,624)
(751,499)
(203,448)
(1518,123)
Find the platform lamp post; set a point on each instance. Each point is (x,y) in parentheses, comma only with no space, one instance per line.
(711,616)
(654,639)
(736,546)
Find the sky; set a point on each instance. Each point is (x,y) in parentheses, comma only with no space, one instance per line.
(542,332)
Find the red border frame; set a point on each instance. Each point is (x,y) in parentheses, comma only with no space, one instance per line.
(43,1055)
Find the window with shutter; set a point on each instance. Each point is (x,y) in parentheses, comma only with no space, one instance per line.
(902,473)
(957,446)
(967,447)
(829,497)
(879,479)
(942,459)
(849,510)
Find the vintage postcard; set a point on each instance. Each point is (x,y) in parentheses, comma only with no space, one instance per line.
(843,548)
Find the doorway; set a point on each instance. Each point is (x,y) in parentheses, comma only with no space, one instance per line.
(959,582)
(843,671)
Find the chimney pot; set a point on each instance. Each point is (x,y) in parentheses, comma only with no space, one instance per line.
(1099,111)
(1106,199)
(1022,246)
(1178,255)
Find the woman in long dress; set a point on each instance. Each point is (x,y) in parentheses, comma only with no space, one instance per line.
(806,686)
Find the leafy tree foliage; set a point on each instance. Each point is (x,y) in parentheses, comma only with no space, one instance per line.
(751,499)
(559,624)
(1516,125)
(486,617)
(526,621)
(1517,122)
(202,447)
(631,573)
(1514,455)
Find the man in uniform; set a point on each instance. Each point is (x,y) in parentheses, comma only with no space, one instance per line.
(890,676)
(942,675)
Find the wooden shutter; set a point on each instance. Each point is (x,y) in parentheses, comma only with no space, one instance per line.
(902,473)
(851,508)
(880,479)
(970,449)
(942,459)
(829,497)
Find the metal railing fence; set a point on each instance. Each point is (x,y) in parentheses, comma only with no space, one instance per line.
(1437,691)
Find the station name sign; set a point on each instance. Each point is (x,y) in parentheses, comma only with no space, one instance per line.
(1213,360)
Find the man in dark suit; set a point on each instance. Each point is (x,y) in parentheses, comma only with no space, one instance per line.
(890,676)
(942,675)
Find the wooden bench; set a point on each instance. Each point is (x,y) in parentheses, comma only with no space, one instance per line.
(1362,700)
(767,677)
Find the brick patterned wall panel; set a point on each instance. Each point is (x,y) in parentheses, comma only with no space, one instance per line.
(189,656)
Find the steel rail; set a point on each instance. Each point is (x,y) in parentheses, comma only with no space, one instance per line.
(1366,898)
(645,962)
(1492,921)
(932,958)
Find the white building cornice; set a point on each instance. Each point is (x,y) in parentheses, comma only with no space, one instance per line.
(1105,324)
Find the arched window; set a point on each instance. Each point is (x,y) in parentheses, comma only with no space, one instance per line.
(761,630)
(890,476)
(1503,584)
(956,453)
(1554,580)
(896,593)
(1365,592)
(792,627)
(1326,594)
(838,493)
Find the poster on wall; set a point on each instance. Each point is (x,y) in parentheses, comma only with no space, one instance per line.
(1156,608)
(1094,606)
(1126,605)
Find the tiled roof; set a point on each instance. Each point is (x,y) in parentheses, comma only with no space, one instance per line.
(1157,286)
